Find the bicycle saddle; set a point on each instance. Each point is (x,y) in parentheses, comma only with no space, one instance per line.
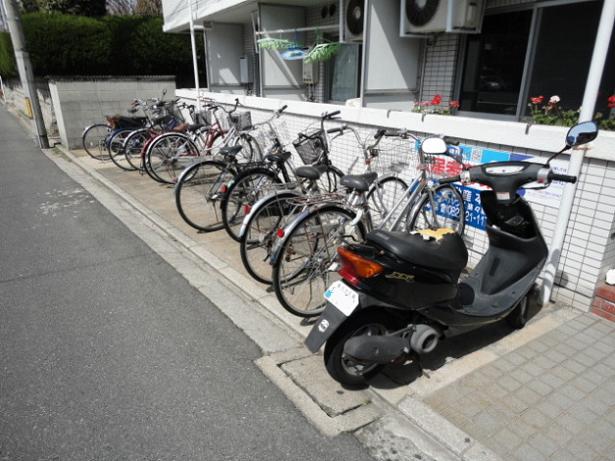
(278,157)
(358,182)
(308,172)
(196,126)
(231,151)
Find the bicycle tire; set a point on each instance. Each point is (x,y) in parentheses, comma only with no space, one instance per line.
(453,203)
(94,140)
(329,179)
(169,154)
(256,243)
(285,281)
(198,194)
(134,144)
(247,187)
(383,196)
(115,149)
(250,147)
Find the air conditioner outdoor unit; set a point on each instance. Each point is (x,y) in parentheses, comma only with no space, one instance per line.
(310,73)
(420,17)
(353,17)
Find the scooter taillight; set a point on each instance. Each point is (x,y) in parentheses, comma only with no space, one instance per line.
(355,267)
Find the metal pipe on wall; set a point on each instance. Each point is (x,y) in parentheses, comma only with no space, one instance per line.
(194,57)
(596,69)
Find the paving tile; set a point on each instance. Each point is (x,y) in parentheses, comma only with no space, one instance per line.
(556,356)
(528,396)
(594,377)
(540,387)
(492,372)
(558,433)
(572,392)
(515,359)
(580,449)
(526,452)
(560,401)
(486,423)
(563,455)
(548,409)
(544,444)
(562,373)
(571,423)
(509,383)
(504,440)
(535,418)
(532,369)
(515,404)
(574,366)
(583,384)
(521,375)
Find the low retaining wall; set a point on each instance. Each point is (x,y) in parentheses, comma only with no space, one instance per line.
(79,102)
(589,248)
(15,97)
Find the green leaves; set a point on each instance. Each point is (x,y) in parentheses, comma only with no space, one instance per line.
(322,52)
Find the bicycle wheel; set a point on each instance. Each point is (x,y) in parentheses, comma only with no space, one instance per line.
(116,149)
(168,155)
(260,234)
(303,269)
(383,196)
(250,151)
(246,189)
(94,141)
(199,192)
(441,206)
(133,147)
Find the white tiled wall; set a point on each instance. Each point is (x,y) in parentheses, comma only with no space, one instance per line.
(588,250)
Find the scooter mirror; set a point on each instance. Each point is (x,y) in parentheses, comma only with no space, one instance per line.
(581,133)
(434,146)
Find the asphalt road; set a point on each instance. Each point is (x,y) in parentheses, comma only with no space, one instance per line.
(106,352)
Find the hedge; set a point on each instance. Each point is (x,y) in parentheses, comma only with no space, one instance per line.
(7,59)
(65,45)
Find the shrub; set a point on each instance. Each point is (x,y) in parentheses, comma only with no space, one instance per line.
(7,58)
(63,45)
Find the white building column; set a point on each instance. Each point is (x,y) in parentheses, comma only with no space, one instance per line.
(601,47)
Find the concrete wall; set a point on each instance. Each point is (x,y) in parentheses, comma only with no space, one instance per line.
(15,97)
(79,103)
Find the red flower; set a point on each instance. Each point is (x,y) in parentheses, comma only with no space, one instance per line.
(537,99)
(611,102)
(437,99)
(454,104)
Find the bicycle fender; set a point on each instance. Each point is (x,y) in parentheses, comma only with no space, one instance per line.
(256,207)
(277,245)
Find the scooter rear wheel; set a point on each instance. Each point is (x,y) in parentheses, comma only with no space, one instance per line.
(343,369)
(519,315)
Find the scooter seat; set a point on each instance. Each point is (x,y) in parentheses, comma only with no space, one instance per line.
(278,157)
(358,182)
(437,249)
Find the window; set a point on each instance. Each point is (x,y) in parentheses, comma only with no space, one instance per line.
(498,76)
(344,73)
(493,67)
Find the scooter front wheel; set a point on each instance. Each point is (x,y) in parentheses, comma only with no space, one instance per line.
(344,369)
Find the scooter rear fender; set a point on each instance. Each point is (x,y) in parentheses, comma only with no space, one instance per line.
(332,318)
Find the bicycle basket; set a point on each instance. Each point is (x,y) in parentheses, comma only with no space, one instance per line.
(310,147)
(204,117)
(241,120)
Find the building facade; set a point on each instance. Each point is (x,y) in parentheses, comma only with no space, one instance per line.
(485,71)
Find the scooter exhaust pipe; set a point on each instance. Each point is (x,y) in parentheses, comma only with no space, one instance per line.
(376,348)
(424,339)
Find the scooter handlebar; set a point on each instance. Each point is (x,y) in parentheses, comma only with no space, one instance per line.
(562,177)
(449,180)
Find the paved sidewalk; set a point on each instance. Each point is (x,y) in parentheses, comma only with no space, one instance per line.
(545,392)
(552,398)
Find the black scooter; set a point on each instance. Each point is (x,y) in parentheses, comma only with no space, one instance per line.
(401,293)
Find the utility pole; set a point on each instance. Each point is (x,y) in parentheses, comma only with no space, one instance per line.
(24,67)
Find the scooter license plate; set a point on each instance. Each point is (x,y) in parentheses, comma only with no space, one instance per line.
(342,297)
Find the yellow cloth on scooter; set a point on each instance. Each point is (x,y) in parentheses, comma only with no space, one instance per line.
(435,233)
